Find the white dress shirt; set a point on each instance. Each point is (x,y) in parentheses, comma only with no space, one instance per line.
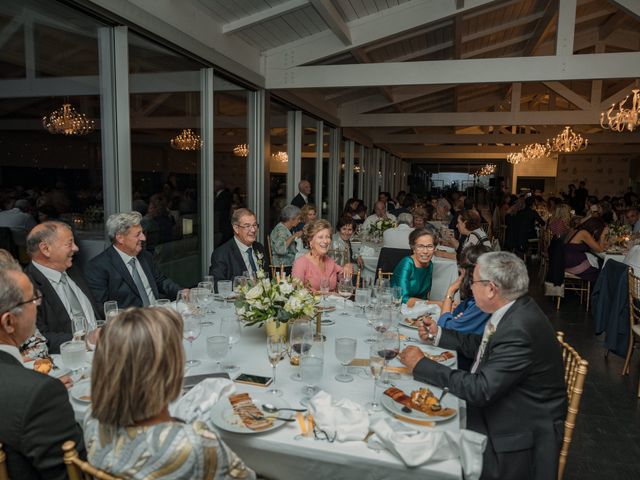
(243,251)
(13,351)
(143,276)
(397,237)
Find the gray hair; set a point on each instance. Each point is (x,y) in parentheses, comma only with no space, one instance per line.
(119,223)
(289,212)
(239,213)
(405,218)
(506,271)
(45,232)
(10,293)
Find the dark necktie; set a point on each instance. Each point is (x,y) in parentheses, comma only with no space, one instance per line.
(138,281)
(251,262)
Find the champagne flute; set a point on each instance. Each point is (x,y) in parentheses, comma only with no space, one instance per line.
(311,366)
(362,299)
(345,350)
(191,331)
(79,327)
(298,331)
(345,289)
(376,364)
(110,309)
(225,290)
(218,348)
(230,327)
(276,348)
(324,289)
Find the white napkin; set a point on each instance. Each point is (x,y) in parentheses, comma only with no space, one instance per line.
(421,307)
(198,401)
(418,447)
(346,418)
(593,260)
(367,251)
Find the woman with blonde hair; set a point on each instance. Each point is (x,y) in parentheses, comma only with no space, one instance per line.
(137,371)
(316,265)
(560,221)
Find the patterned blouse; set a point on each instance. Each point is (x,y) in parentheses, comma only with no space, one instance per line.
(170,450)
(282,255)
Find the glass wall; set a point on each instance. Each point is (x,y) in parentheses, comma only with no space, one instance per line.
(279,162)
(308,161)
(50,169)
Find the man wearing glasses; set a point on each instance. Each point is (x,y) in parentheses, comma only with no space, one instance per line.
(37,416)
(240,254)
(515,390)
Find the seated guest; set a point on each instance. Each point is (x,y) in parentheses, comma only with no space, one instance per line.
(471,233)
(413,274)
(17,218)
(632,217)
(590,235)
(283,242)
(240,254)
(467,316)
(125,272)
(65,291)
(398,237)
(361,214)
(308,213)
(515,390)
(351,207)
(342,237)
(380,211)
(316,265)
(36,415)
(137,372)
(560,220)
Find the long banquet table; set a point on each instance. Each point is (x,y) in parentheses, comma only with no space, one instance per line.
(277,454)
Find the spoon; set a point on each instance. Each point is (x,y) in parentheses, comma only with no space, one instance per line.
(438,406)
(267,407)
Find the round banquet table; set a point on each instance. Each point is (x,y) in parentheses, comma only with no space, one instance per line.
(277,454)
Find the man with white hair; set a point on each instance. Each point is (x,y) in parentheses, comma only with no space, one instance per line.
(126,272)
(379,211)
(304,194)
(398,237)
(515,390)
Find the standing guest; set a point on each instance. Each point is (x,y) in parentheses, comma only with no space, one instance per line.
(398,237)
(581,196)
(525,223)
(308,213)
(283,241)
(515,390)
(414,273)
(36,415)
(316,265)
(65,291)
(129,432)
(589,235)
(380,211)
(342,237)
(240,254)
(304,194)
(125,272)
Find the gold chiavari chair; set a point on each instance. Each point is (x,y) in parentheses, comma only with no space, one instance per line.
(4,475)
(383,275)
(575,371)
(78,469)
(271,265)
(634,320)
(358,279)
(545,240)
(576,284)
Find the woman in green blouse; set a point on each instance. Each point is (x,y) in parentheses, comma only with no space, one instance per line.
(283,242)
(413,273)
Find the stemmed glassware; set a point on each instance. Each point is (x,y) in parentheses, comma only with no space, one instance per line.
(230,327)
(79,327)
(324,290)
(376,364)
(311,365)
(276,349)
(225,290)
(191,330)
(218,348)
(298,332)
(110,309)
(162,302)
(239,282)
(363,295)
(373,315)
(396,296)
(345,349)
(204,299)
(388,344)
(345,290)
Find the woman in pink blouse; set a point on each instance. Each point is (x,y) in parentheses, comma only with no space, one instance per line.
(315,265)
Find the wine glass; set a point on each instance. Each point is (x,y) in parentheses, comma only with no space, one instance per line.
(373,315)
(202,298)
(209,286)
(362,299)
(230,327)
(376,364)
(79,327)
(184,304)
(191,330)
(276,348)
(345,289)
(225,290)
(208,278)
(388,344)
(396,296)
(324,289)
(74,356)
(110,309)
(239,282)
(311,365)
(298,330)
(218,348)
(345,352)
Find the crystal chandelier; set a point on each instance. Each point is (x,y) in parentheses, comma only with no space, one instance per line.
(535,151)
(186,140)
(67,121)
(516,158)
(623,118)
(487,170)
(241,150)
(567,141)
(280,157)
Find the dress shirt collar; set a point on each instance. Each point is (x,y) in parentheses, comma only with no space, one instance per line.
(52,275)
(306,199)
(243,248)
(126,258)
(499,313)
(13,351)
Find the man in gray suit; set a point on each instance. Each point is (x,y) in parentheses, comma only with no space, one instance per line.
(515,391)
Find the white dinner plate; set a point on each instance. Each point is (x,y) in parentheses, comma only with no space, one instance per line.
(403,323)
(327,322)
(81,391)
(431,350)
(223,416)
(396,408)
(59,372)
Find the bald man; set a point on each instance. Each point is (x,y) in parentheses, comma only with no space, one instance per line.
(304,194)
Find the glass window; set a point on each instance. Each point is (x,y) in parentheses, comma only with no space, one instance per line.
(278,163)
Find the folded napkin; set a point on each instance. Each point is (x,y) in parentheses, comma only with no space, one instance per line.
(199,400)
(417,447)
(421,307)
(344,418)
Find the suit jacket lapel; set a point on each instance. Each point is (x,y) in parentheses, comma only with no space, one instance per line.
(146,267)
(237,256)
(50,295)
(122,269)
(77,277)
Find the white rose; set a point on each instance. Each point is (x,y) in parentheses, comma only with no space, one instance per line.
(266,283)
(293,305)
(286,288)
(254,293)
(241,311)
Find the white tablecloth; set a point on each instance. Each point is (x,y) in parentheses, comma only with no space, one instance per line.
(277,454)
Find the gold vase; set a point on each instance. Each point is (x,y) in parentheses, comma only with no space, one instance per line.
(271,328)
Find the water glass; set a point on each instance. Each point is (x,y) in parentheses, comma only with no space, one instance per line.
(218,348)
(345,349)
(230,327)
(208,278)
(110,309)
(74,355)
(376,364)
(311,365)
(162,302)
(225,290)
(191,331)
(276,349)
(363,295)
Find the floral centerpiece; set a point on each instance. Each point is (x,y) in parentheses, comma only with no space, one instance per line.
(377,228)
(619,233)
(274,301)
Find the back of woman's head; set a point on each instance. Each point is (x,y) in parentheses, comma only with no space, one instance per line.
(471,219)
(468,258)
(138,366)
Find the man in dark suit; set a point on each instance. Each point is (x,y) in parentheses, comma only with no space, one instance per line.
(304,194)
(240,254)
(222,213)
(125,272)
(515,390)
(65,292)
(36,415)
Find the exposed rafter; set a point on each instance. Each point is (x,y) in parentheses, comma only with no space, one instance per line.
(333,19)
(263,16)
(631,6)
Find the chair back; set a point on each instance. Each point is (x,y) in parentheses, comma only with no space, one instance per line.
(78,469)
(358,285)
(575,372)
(390,257)
(271,265)
(4,475)
(634,298)
(383,275)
